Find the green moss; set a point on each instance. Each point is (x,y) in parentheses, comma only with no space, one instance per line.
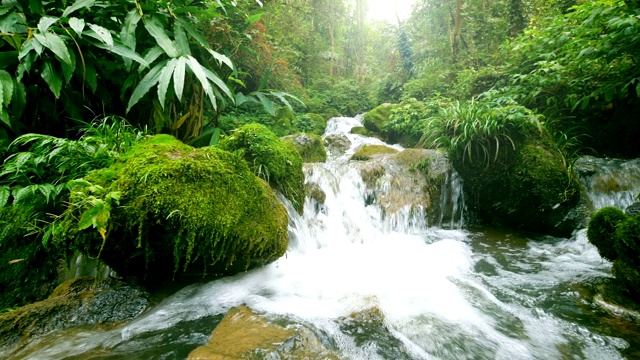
(527,188)
(601,228)
(311,123)
(365,152)
(28,270)
(310,147)
(374,120)
(360,130)
(273,160)
(626,240)
(183,211)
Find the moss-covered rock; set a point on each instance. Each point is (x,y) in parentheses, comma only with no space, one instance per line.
(365,152)
(29,270)
(601,228)
(375,119)
(183,213)
(77,302)
(243,334)
(360,130)
(270,158)
(528,188)
(310,146)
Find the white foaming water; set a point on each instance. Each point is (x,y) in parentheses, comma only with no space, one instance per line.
(609,182)
(444,294)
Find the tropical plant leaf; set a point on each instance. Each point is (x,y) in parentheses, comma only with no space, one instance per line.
(89,217)
(147,82)
(152,55)
(128,54)
(4,117)
(178,77)
(6,89)
(165,79)
(8,58)
(156,30)
(182,42)
(78,5)
(54,43)
(68,69)
(45,23)
(215,137)
(91,76)
(253,18)
(77,25)
(219,83)
(199,72)
(5,192)
(222,59)
(100,33)
(128,32)
(52,78)
(266,103)
(46,190)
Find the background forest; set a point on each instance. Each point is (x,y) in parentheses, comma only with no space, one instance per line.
(464,73)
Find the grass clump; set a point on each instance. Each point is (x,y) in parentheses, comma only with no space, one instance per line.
(271,159)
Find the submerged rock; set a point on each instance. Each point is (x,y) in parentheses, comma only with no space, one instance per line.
(76,302)
(310,146)
(183,213)
(243,334)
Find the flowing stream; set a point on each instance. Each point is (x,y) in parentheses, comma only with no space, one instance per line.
(444,293)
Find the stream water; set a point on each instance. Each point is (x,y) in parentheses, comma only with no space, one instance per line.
(445,293)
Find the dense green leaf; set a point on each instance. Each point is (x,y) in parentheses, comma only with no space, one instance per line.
(68,69)
(54,43)
(6,89)
(100,33)
(91,76)
(78,5)
(178,77)
(219,83)
(46,22)
(266,103)
(165,79)
(77,25)
(8,58)
(52,78)
(89,217)
(253,18)
(4,118)
(152,55)
(147,82)
(156,30)
(5,192)
(222,59)
(128,32)
(199,72)
(182,42)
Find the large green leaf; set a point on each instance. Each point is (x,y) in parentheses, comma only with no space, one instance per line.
(178,77)
(147,82)
(152,55)
(128,32)
(181,39)
(165,79)
(77,25)
(199,72)
(54,43)
(203,42)
(222,59)
(6,89)
(46,22)
(219,83)
(266,103)
(19,99)
(5,192)
(156,30)
(68,69)
(52,78)
(78,5)
(100,33)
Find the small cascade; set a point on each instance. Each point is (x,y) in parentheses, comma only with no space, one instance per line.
(452,205)
(609,182)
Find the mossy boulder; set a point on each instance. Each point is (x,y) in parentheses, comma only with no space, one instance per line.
(271,159)
(243,334)
(29,270)
(366,152)
(375,119)
(617,237)
(360,130)
(183,213)
(528,188)
(601,228)
(310,146)
(76,302)
(337,143)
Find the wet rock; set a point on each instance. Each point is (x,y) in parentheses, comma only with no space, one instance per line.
(366,152)
(76,302)
(243,334)
(412,178)
(310,146)
(633,209)
(315,192)
(337,143)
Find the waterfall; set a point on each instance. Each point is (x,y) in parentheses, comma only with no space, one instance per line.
(442,292)
(609,182)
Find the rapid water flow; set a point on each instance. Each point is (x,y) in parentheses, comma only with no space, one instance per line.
(444,294)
